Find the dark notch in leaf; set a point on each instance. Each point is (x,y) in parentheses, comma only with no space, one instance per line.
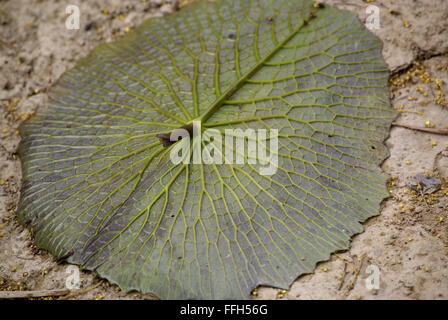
(165,138)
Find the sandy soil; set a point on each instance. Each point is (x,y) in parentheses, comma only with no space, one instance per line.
(407,243)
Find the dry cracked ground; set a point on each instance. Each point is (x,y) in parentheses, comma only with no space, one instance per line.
(406,246)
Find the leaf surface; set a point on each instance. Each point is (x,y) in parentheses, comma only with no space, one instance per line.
(98,180)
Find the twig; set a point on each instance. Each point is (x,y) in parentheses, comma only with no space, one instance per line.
(76,293)
(346,262)
(65,256)
(419,187)
(430,130)
(33,294)
(355,277)
(411,111)
(343,276)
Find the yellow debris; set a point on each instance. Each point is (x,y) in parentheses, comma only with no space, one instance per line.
(281,294)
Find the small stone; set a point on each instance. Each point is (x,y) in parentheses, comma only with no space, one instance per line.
(425,183)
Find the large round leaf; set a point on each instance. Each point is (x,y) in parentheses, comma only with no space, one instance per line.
(99,183)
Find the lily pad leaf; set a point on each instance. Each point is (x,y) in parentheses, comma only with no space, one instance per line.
(99,180)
